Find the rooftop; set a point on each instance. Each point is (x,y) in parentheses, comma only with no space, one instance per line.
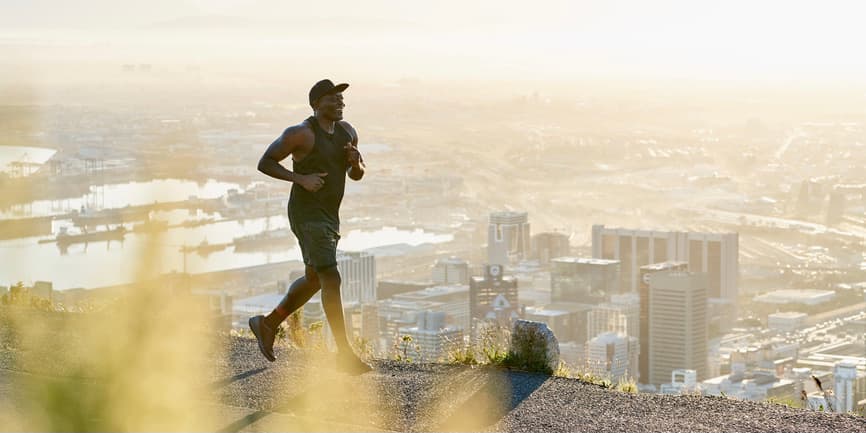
(585,261)
(808,297)
(788,315)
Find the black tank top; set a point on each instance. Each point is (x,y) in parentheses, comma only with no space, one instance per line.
(328,156)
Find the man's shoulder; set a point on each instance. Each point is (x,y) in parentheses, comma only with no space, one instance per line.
(301,130)
(348,127)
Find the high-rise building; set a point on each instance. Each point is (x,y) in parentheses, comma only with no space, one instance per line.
(358,273)
(844,377)
(452,300)
(433,338)
(612,355)
(394,315)
(452,270)
(567,320)
(493,298)
(508,239)
(621,316)
(677,324)
(583,280)
(548,246)
(715,254)
(646,273)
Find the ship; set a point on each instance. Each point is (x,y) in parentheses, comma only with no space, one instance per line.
(204,248)
(85,217)
(64,238)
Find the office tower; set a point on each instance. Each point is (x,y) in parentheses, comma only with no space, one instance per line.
(493,298)
(394,315)
(452,300)
(508,239)
(548,246)
(844,377)
(612,355)
(452,270)
(583,280)
(358,273)
(715,254)
(677,324)
(567,320)
(621,316)
(433,338)
(646,273)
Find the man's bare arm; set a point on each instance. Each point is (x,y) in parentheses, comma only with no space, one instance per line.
(356,161)
(292,140)
(279,150)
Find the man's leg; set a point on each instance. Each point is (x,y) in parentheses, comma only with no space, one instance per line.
(332,303)
(265,328)
(333,306)
(299,293)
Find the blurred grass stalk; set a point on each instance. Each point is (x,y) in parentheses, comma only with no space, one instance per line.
(139,364)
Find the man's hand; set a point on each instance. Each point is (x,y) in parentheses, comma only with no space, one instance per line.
(353,157)
(311,182)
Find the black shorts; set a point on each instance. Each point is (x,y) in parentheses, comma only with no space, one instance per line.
(318,242)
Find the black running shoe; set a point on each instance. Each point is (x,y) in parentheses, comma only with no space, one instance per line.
(265,336)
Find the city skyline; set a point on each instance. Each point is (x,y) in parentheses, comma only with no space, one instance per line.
(663,199)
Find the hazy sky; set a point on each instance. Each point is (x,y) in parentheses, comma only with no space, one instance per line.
(454,39)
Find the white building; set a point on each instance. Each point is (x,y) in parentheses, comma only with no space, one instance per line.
(453,300)
(508,238)
(683,381)
(755,386)
(794,296)
(612,355)
(433,338)
(358,273)
(452,270)
(786,321)
(394,315)
(621,315)
(677,324)
(716,254)
(844,376)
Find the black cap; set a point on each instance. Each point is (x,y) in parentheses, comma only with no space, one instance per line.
(325,87)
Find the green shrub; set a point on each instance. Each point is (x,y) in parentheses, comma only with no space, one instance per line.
(463,356)
(401,347)
(364,348)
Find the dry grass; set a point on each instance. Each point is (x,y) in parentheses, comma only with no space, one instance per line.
(144,353)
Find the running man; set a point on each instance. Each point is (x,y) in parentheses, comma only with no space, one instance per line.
(324,150)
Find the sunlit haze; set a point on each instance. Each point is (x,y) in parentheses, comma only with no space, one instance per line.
(401,215)
(563,40)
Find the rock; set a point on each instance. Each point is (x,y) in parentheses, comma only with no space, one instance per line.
(533,347)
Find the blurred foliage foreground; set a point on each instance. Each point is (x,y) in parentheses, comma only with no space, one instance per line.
(134,365)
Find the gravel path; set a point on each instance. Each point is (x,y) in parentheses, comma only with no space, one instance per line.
(302,392)
(434,397)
